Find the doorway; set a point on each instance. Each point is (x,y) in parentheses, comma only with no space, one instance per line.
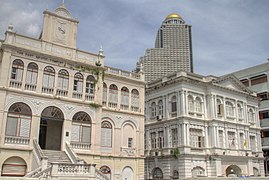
(50,131)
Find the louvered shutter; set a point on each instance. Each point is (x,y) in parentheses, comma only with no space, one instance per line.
(51,81)
(11,127)
(28,77)
(86,134)
(13,170)
(25,127)
(45,80)
(19,75)
(75,133)
(34,78)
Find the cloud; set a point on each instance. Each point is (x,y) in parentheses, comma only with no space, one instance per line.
(227,35)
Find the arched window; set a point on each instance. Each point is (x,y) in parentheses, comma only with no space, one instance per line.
(63,78)
(18,122)
(153,110)
(240,111)
(229,109)
(251,115)
(220,108)
(198,105)
(104,94)
(106,134)
(197,171)
(81,128)
(190,103)
(90,88)
(48,80)
(14,166)
(31,75)
(135,100)
(106,171)
(17,70)
(127,174)
(124,98)
(175,174)
(160,108)
(113,96)
(78,83)
(157,173)
(128,136)
(174,106)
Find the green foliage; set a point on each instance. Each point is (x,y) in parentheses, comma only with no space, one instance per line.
(176,152)
(95,105)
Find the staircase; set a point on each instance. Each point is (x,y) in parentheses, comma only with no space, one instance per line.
(57,156)
(64,164)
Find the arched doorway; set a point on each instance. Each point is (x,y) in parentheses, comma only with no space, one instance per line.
(198,171)
(50,132)
(106,171)
(233,171)
(14,166)
(157,173)
(127,174)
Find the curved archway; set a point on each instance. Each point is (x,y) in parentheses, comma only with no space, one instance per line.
(157,173)
(50,131)
(233,171)
(198,171)
(106,171)
(14,166)
(127,173)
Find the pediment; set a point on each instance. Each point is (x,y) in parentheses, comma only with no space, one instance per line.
(231,82)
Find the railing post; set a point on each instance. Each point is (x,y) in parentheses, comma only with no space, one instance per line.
(54,170)
(44,163)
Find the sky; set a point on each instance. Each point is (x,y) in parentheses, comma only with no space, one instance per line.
(227,35)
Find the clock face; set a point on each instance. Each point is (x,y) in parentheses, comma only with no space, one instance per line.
(60,30)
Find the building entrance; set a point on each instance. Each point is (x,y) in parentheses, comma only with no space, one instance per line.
(50,131)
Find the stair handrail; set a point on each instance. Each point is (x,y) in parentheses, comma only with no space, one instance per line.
(34,172)
(38,151)
(44,173)
(72,155)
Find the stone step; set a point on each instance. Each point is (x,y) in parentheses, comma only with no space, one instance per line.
(56,156)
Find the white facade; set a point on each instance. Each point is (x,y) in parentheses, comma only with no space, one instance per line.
(56,97)
(201,126)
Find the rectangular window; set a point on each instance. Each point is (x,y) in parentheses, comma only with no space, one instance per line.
(259,79)
(174,137)
(245,82)
(174,107)
(252,143)
(130,142)
(231,140)
(153,140)
(221,142)
(106,137)
(160,139)
(196,138)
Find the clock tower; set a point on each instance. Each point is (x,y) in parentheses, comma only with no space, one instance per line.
(59,27)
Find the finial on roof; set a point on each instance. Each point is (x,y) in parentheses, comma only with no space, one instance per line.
(101,50)
(10,28)
(62,1)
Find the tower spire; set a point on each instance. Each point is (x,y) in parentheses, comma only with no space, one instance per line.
(62,1)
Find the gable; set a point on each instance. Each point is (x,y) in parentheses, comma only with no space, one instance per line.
(232,82)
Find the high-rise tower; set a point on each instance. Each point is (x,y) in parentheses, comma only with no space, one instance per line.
(172,52)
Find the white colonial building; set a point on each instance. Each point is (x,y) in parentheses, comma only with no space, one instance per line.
(201,126)
(63,113)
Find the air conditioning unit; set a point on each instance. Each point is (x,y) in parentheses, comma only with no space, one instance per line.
(159,117)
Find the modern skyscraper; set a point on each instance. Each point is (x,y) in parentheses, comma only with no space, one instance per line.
(172,52)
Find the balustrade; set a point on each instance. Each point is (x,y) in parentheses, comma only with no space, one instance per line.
(15,84)
(89,97)
(47,90)
(30,87)
(16,140)
(77,95)
(61,92)
(81,146)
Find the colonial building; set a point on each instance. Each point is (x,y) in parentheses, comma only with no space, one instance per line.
(201,126)
(63,113)
(172,52)
(256,79)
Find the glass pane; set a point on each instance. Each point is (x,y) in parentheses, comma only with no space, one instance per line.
(86,134)
(75,133)
(11,126)
(25,127)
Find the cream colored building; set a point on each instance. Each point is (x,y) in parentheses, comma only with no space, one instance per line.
(201,126)
(64,115)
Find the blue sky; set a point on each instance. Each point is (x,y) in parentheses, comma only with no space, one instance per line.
(227,35)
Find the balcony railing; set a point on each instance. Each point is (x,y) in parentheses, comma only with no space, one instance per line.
(61,92)
(80,145)
(77,95)
(30,87)
(47,90)
(16,140)
(15,84)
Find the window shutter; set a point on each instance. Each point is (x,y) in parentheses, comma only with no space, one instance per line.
(75,133)
(34,78)
(28,77)
(13,170)
(45,80)
(86,134)
(25,127)
(51,81)
(19,77)
(65,85)
(11,126)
